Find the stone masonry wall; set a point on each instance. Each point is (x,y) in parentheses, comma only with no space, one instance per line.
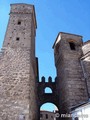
(18,92)
(14,83)
(71,83)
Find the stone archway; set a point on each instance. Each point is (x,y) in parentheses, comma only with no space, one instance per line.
(47,97)
(49,111)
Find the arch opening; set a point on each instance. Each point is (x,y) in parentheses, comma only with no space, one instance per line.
(48,111)
(48,90)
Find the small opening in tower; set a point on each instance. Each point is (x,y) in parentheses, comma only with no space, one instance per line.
(19,23)
(72,45)
(46,116)
(17,38)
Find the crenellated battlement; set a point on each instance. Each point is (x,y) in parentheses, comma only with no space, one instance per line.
(43,80)
(21,92)
(43,90)
(46,84)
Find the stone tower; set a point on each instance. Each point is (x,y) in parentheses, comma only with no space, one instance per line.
(71,83)
(86,64)
(18,100)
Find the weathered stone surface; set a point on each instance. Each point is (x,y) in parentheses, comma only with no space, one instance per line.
(18,94)
(19,98)
(71,81)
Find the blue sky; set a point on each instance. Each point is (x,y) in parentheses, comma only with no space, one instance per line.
(72,16)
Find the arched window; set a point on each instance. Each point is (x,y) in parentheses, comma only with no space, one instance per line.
(72,45)
(47,90)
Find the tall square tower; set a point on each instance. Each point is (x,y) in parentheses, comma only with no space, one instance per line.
(70,77)
(18,92)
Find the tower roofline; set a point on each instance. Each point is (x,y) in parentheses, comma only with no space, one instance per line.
(70,34)
(62,33)
(29,5)
(21,4)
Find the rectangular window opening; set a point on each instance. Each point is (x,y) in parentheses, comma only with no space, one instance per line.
(17,38)
(72,45)
(46,116)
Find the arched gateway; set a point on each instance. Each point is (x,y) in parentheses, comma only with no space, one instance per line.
(21,95)
(51,96)
(47,97)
